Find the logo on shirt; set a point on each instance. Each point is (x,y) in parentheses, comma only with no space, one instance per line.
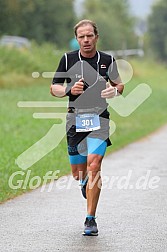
(102,66)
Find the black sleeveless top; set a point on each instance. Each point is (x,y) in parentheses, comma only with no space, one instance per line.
(95,71)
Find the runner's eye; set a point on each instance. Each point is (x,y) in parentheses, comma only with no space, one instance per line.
(80,37)
(90,36)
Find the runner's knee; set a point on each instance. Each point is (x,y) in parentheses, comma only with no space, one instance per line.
(94,163)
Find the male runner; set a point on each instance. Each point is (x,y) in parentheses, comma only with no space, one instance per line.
(91,77)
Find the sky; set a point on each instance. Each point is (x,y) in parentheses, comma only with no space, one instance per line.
(139,8)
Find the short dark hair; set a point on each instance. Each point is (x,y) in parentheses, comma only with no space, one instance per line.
(85,22)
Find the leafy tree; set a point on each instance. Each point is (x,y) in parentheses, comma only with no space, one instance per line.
(9,15)
(114,22)
(157,28)
(51,21)
(40,20)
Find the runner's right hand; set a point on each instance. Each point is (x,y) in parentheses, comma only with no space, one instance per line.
(77,88)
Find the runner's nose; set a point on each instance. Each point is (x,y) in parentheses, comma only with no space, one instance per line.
(85,38)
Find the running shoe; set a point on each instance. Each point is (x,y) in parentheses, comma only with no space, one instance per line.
(90,227)
(83,188)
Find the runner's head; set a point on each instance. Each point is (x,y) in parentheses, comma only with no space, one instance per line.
(86,22)
(87,35)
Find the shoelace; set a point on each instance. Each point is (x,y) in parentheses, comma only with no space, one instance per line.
(90,223)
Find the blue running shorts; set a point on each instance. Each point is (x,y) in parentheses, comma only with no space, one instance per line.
(81,144)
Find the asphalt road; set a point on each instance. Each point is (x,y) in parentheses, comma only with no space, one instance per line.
(131,215)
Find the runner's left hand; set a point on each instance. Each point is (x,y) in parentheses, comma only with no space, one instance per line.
(109,92)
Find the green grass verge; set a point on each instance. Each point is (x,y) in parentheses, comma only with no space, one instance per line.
(19,130)
(151,114)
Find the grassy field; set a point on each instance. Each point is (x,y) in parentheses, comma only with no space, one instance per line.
(19,130)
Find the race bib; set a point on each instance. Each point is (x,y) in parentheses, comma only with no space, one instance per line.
(87,122)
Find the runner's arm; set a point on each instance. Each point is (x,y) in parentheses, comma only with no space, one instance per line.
(58,90)
(57,87)
(117,83)
(115,79)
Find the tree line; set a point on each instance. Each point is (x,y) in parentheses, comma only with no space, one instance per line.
(40,20)
(53,21)
(157,29)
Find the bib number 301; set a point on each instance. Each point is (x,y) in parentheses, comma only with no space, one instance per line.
(87,122)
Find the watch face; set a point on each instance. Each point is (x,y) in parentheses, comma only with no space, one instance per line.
(116,91)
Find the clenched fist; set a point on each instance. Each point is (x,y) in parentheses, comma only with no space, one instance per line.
(77,88)
(109,92)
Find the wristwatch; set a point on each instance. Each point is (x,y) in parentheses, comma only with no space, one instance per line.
(116,91)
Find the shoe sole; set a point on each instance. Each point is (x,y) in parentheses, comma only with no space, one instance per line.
(89,234)
(83,190)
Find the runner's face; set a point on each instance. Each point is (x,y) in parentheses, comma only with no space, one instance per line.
(87,39)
